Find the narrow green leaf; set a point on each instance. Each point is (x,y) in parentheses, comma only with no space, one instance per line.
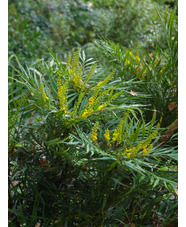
(156,183)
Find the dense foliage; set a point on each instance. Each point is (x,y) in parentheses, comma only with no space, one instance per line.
(93,113)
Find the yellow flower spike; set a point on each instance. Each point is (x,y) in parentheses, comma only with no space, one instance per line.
(74,70)
(86,113)
(94,132)
(81,96)
(115,135)
(62,94)
(75,59)
(44,96)
(107,136)
(99,84)
(147,150)
(134,151)
(101,106)
(119,131)
(130,53)
(75,77)
(144,146)
(129,155)
(94,137)
(70,71)
(137,58)
(68,62)
(92,69)
(96,98)
(91,100)
(127,62)
(126,150)
(105,81)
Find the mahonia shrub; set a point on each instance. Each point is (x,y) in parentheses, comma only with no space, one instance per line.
(79,154)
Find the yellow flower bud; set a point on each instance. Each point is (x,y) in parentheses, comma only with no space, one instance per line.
(137,58)
(127,62)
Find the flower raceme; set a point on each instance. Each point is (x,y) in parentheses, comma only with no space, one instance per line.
(86,113)
(119,132)
(94,101)
(94,132)
(75,77)
(137,58)
(100,98)
(101,106)
(124,136)
(134,151)
(107,136)
(115,135)
(43,94)
(75,70)
(147,150)
(62,95)
(127,62)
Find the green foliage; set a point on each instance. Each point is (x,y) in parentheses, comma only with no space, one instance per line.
(27,27)
(173,4)
(93,142)
(64,25)
(64,164)
(157,71)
